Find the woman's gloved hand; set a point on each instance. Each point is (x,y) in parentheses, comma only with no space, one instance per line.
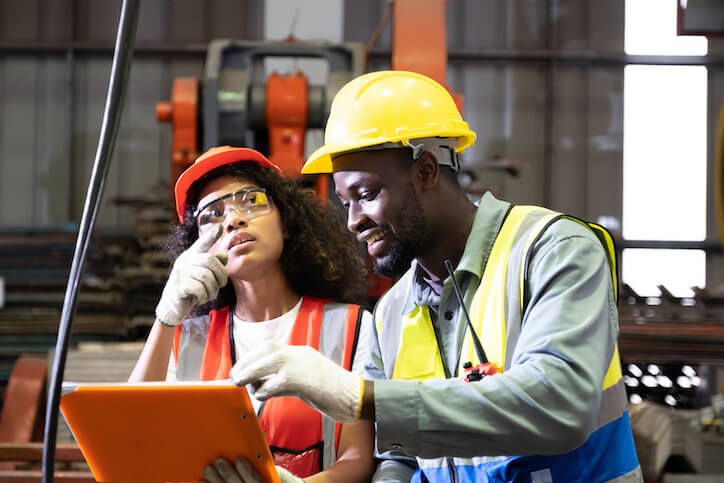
(195,278)
(300,371)
(242,472)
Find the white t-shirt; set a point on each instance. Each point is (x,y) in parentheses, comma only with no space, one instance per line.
(249,335)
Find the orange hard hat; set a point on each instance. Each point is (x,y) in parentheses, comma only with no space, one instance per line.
(212,159)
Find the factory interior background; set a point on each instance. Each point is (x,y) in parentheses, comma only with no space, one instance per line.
(593,108)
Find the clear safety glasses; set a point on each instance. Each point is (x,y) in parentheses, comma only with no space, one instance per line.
(248,203)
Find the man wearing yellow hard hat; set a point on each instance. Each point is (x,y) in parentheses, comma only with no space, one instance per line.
(509,372)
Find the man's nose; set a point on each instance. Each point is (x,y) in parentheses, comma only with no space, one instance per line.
(355,218)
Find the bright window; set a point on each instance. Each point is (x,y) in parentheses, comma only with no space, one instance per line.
(651,30)
(677,270)
(664,152)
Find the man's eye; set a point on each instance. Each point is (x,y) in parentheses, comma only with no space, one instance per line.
(369,195)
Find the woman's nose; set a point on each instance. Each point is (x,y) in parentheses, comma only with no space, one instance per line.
(234,219)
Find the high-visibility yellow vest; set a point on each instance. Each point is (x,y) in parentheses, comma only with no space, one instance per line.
(492,311)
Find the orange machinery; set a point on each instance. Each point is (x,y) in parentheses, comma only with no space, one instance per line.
(425,54)
(237,104)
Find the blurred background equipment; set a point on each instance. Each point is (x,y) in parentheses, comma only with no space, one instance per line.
(237,104)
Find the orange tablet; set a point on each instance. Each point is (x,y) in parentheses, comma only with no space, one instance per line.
(157,432)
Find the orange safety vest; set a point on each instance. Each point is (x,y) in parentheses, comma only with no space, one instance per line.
(294,431)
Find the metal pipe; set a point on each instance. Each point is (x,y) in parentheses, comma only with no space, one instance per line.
(707,246)
(120,69)
(549,106)
(160,49)
(467,55)
(71,110)
(455,55)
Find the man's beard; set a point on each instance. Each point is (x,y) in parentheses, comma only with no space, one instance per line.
(406,244)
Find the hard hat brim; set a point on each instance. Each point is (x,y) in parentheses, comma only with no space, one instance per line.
(320,161)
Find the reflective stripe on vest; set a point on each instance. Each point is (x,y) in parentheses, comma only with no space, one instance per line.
(308,444)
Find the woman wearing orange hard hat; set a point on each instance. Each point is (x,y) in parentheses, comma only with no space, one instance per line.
(258,260)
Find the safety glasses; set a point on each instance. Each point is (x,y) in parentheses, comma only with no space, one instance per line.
(248,203)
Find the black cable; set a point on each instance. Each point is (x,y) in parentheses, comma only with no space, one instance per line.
(478,346)
(117,84)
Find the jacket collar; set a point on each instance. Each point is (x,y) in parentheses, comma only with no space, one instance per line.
(488,220)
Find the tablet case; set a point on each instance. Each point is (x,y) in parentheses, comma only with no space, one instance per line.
(156,432)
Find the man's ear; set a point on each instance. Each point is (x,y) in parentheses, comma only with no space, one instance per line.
(427,170)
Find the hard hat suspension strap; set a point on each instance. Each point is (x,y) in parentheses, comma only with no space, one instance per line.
(442,148)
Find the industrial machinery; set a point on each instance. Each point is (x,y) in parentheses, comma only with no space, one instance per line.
(239,105)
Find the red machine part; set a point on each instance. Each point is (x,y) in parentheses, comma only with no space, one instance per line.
(376,284)
(286,120)
(22,410)
(287,104)
(182,112)
(419,41)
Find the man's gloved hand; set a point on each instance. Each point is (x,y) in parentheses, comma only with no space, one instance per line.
(242,472)
(283,370)
(195,278)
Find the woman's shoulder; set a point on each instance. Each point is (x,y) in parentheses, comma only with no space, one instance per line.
(333,304)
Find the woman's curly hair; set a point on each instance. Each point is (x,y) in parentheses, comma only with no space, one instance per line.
(320,255)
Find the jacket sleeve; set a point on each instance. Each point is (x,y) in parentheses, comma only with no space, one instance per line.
(548,399)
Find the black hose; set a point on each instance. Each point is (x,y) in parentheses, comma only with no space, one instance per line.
(120,69)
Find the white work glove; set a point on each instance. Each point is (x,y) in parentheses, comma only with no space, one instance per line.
(300,371)
(195,278)
(242,472)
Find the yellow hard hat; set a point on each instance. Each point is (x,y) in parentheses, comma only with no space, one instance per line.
(388,107)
